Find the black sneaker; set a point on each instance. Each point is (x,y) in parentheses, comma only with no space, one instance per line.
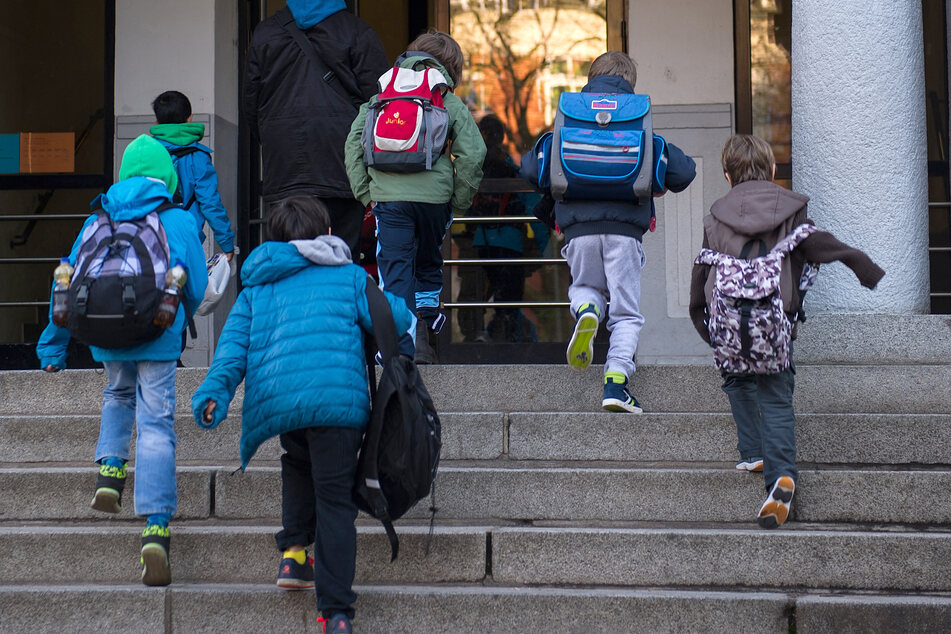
(156,569)
(295,576)
(339,623)
(425,353)
(109,485)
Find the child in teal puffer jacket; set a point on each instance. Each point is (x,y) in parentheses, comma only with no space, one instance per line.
(295,335)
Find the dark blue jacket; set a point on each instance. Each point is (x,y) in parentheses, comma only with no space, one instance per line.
(581,217)
(295,335)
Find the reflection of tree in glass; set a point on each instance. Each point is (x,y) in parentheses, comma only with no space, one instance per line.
(522,54)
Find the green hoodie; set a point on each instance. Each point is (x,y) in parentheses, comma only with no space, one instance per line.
(147,157)
(454,181)
(178,133)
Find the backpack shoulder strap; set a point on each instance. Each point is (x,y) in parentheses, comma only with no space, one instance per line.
(179,152)
(794,238)
(326,75)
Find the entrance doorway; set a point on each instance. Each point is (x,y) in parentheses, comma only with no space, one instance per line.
(505,283)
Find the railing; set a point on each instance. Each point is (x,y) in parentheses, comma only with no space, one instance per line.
(939,207)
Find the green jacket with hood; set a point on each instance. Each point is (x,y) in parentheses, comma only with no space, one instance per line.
(452,179)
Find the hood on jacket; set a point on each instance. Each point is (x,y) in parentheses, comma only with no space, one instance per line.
(178,133)
(419,60)
(147,157)
(324,250)
(133,198)
(273,261)
(755,207)
(614,84)
(307,13)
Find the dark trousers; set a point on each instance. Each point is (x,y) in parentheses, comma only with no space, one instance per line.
(317,474)
(346,219)
(409,238)
(765,424)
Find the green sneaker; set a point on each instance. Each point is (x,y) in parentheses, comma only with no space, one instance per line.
(109,485)
(156,569)
(581,347)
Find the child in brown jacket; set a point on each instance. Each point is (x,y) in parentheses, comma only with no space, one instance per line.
(760,212)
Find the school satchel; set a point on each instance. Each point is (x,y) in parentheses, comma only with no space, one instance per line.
(749,330)
(598,150)
(407,126)
(118,281)
(400,452)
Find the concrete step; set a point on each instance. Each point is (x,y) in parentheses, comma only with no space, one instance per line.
(72,438)
(455,609)
(784,558)
(526,492)
(896,439)
(908,389)
(109,554)
(713,558)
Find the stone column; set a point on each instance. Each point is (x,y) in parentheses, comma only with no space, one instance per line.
(858,145)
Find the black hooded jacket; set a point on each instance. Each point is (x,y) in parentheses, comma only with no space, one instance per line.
(302,121)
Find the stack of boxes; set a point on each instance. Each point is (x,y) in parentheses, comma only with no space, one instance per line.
(37,152)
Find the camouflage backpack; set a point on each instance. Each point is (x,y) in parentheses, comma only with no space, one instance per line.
(749,329)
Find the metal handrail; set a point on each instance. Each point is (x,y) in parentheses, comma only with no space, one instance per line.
(22,304)
(28,260)
(44,217)
(506,304)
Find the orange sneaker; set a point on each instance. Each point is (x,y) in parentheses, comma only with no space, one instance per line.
(775,509)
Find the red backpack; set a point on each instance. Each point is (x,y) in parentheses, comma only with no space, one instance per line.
(407,126)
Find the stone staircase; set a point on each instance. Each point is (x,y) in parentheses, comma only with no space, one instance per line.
(553,516)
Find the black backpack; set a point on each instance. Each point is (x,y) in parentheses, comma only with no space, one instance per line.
(400,452)
(179,197)
(119,281)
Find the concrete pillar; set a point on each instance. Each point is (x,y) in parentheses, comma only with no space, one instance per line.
(858,145)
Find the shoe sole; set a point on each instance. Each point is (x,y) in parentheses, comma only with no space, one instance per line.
(775,510)
(294,584)
(106,501)
(156,570)
(750,466)
(617,405)
(581,346)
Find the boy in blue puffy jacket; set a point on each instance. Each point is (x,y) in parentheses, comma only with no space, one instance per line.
(141,386)
(197,178)
(295,335)
(604,252)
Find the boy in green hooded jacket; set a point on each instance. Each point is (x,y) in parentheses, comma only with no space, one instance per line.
(198,181)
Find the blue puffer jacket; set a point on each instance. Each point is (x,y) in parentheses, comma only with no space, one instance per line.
(128,199)
(588,217)
(295,335)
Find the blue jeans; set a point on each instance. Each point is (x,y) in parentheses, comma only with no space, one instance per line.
(765,423)
(142,392)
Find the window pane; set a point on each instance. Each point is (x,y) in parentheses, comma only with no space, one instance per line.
(770,36)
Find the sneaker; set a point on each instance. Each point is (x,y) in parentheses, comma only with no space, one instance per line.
(156,569)
(775,509)
(581,347)
(295,576)
(339,623)
(425,354)
(616,397)
(109,485)
(438,322)
(750,464)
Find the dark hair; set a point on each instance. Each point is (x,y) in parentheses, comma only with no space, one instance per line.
(445,49)
(493,133)
(297,218)
(172,107)
(747,158)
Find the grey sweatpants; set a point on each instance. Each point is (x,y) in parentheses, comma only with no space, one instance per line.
(608,267)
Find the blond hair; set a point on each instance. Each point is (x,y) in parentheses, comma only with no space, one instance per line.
(747,158)
(614,63)
(445,49)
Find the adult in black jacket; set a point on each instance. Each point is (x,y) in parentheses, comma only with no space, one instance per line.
(301,113)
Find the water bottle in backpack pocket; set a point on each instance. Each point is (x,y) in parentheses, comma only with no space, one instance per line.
(121,268)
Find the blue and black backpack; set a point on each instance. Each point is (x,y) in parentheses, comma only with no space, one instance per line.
(598,149)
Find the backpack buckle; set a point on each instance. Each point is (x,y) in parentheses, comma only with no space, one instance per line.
(128,295)
(82,295)
(603,118)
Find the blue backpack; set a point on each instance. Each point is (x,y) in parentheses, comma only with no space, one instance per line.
(598,149)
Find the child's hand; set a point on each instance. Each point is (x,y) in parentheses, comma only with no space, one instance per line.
(660,193)
(51,368)
(209,408)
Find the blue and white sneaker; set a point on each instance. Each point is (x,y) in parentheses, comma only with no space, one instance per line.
(616,397)
(581,347)
(750,464)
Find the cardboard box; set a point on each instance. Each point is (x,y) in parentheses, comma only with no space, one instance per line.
(9,153)
(47,152)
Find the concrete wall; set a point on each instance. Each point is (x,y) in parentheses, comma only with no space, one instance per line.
(190,46)
(683,49)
